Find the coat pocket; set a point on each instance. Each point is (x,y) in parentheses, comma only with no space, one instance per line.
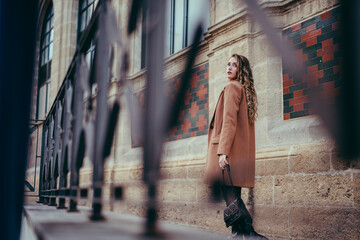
(215,140)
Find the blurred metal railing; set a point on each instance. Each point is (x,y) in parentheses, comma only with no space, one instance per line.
(81,118)
(61,128)
(34,126)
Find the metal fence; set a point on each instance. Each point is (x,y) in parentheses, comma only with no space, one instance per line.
(81,116)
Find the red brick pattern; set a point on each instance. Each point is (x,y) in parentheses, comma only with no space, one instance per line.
(194,115)
(316,43)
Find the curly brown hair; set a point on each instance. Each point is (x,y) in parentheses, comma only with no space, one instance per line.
(245,77)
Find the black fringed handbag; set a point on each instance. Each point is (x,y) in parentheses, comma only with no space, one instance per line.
(233,212)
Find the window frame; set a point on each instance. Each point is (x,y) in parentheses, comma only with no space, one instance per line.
(169,49)
(89,50)
(44,69)
(143,38)
(184,42)
(80,14)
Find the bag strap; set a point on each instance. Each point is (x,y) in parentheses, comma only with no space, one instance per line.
(229,174)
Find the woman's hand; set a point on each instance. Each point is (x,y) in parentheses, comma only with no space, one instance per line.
(222,161)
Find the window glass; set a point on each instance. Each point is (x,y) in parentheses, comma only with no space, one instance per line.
(83,19)
(46,48)
(181,19)
(143,37)
(43,57)
(47,39)
(42,92)
(196,13)
(168,26)
(86,10)
(50,51)
(51,35)
(46,55)
(88,13)
(89,54)
(83,4)
(51,21)
(178,25)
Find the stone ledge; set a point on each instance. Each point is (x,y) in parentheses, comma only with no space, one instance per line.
(51,223)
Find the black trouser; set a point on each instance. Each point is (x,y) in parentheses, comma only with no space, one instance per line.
(230,194)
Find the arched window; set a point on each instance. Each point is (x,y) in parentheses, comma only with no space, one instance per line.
(46,49)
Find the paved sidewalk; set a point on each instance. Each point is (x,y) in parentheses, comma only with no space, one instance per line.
(58,224)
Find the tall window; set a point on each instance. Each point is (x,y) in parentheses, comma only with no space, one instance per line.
(143,38)
(46,49)
(181,18)
(86,9)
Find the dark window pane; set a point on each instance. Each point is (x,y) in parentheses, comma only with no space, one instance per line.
(83,5)
(41,58)
(86,8)
(143,39)
(48,38)
(42,75)
(49,70)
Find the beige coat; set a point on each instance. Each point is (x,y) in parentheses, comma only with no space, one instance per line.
(231,134)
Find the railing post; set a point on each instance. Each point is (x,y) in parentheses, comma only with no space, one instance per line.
(41,175)
(100,74)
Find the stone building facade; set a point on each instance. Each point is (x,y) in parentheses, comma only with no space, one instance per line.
(303,188)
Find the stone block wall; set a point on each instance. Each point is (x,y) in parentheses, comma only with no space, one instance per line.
(301,192)
(316,182)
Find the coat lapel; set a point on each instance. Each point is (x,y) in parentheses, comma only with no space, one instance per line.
(213,116)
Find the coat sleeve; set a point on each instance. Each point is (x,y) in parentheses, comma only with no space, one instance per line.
(232,98)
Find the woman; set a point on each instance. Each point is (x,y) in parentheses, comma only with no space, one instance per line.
(231,139)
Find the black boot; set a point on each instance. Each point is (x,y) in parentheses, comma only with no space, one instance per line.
(236,231)
(245,225)
(250,233)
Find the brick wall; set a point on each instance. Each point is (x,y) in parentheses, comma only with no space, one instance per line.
(316,42)
(193,120)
